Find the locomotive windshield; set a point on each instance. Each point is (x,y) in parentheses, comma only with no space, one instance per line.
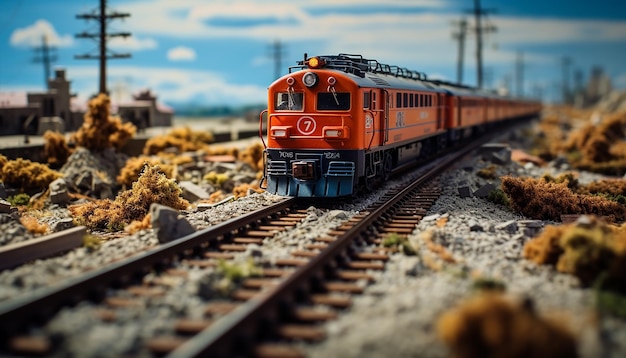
(288,101)
(333,101)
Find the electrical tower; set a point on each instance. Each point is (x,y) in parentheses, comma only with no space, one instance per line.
(277,55)
(519,73)
(46,58)
(566,62)
(103,17)
(480,30)
(460,37)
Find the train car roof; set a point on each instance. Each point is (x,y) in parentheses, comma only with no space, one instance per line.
(371,73)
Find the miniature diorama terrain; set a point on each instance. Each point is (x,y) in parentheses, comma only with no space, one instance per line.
(523,254)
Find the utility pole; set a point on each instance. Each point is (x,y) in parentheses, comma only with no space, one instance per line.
(277,55)
(480,30)
(460,37)
(566,62)
(46,58)
(102,17)
(519,74)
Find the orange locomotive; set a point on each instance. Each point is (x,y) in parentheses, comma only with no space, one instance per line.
(338,123)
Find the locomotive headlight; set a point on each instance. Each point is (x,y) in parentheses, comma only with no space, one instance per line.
(280,131)
(310,79)
(335,132)
(315,62)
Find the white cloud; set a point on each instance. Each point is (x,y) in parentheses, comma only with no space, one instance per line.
(173,85)
(181,53)
(32,35)
(132,43)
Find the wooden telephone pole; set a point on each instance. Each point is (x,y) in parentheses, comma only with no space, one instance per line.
(101,37)
(46,58)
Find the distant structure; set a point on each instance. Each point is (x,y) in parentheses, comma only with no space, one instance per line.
(47,57)
(102,36)
(23,113)
(598,86)
(480,29)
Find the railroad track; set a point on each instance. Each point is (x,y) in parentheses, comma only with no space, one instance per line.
(286,302)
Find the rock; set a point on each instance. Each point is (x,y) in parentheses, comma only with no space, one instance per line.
(5,206)
(58,192)
(3,191)
(62,224)
(475,225)
(484,190)
(464,190)
(192,192)
(502,157)
(508,226)
(168,223)
(431,217)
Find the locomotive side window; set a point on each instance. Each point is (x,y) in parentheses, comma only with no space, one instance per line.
(333,101)
(373,100)
(398,100)
(366,100)
(411,103)
(288,101)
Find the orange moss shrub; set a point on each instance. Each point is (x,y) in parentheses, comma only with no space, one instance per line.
(134,166)
(138,225)
(490,326)
(27,176)
(3,161)
(183,138)
(55,148)
(130,205)
(538,199)
(594,145)
(32,224)
(242,190)
(585,250)
(100,130)
(253,155)
(545,248)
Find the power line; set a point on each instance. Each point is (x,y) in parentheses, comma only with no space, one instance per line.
(277,55)
(46,58)
(566,62)
(480,30)
(460,37)
(102,17)
(519,73)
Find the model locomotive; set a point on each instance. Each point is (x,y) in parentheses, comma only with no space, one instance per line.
(336,124)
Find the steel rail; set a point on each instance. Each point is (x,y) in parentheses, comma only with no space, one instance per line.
(46,301)
(235,334)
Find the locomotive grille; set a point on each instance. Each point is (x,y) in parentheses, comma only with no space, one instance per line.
(277,167)
(337,169)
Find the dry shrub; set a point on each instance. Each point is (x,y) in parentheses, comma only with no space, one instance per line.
(3,161)
(545,248)
(242,190)
(488,325)
(253,155)
(55,148)
(585,249)
(131,171)
(596,147)
(32,224)
(134,204)
(27,176)
(100,130)
(138,225)
(184,139)
(222,150)
(546,200)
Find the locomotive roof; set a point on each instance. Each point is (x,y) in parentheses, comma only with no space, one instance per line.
(371,73)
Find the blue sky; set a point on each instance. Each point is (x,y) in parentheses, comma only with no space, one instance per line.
(216,52)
